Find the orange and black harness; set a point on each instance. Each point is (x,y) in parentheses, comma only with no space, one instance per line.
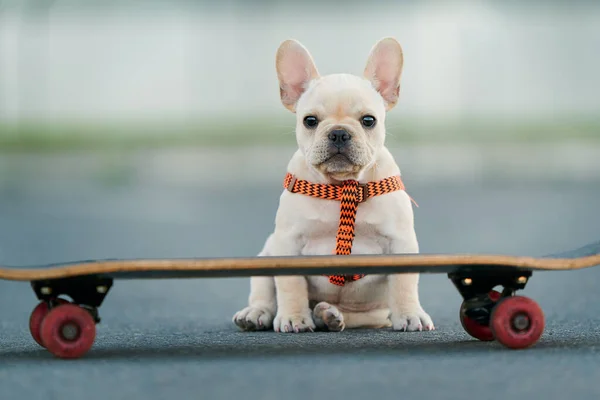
(350,194)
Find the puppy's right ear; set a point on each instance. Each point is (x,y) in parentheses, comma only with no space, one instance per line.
(295,69)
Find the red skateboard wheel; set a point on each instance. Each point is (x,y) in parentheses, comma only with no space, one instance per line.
(37,316)
(474,328)
(68,331)
(517,322)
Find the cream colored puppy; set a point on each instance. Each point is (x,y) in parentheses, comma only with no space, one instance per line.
(340,132)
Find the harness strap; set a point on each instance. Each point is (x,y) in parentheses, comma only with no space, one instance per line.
(350,194)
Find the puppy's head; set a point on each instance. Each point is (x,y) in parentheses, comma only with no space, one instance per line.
(340,118)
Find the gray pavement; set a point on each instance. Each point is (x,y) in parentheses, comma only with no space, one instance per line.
(174,339)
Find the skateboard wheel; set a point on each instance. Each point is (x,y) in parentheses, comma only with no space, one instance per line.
(474,328)
(517,322)
(37,316)
(68,331)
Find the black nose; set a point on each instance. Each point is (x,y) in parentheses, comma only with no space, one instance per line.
(339,137)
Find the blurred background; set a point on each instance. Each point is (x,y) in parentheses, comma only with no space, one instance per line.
(75,72)
(154,129)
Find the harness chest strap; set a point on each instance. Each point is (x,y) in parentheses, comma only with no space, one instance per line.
(350,194)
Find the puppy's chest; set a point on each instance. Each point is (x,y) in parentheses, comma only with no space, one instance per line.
(320,226)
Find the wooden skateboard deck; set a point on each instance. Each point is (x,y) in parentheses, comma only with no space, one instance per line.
(584,257)
(67,328)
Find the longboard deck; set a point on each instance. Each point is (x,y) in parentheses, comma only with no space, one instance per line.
(583,257)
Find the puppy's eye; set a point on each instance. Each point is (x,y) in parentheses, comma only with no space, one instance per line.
(368,121)
(310,121)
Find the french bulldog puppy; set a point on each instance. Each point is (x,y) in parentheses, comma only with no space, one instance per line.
(340,131)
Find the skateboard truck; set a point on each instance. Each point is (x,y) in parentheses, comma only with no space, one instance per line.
(86,291)
(471,284)
(68,329)
(477,291)
(486,314)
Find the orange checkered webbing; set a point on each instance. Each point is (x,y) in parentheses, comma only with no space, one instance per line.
(350,194)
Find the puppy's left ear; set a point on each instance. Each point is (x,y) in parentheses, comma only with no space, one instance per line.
(295,70)
(384,68)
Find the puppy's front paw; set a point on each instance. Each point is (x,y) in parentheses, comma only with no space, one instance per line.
(327,316)
(412,320)
(253,319)
(290,322)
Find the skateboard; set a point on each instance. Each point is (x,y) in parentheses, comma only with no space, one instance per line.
(70,294)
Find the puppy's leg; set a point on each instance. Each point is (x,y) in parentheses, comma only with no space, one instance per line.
(286,295)
(406,312)
(261,305)
(262,302)
(293,312)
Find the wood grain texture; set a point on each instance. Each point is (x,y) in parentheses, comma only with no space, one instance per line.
(235,267)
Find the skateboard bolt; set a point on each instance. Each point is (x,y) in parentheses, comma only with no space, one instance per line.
(70,331)
(46,290)
(467,281)
(521,322)
(521,280)
(101,289)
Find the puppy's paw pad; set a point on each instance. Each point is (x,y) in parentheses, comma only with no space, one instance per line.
(412,321)
(329,316)
(253,319)
(294,323)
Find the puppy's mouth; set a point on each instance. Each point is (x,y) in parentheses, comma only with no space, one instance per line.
(339,164)
(338,157)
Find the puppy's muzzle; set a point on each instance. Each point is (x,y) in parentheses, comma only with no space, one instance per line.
(339,138)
